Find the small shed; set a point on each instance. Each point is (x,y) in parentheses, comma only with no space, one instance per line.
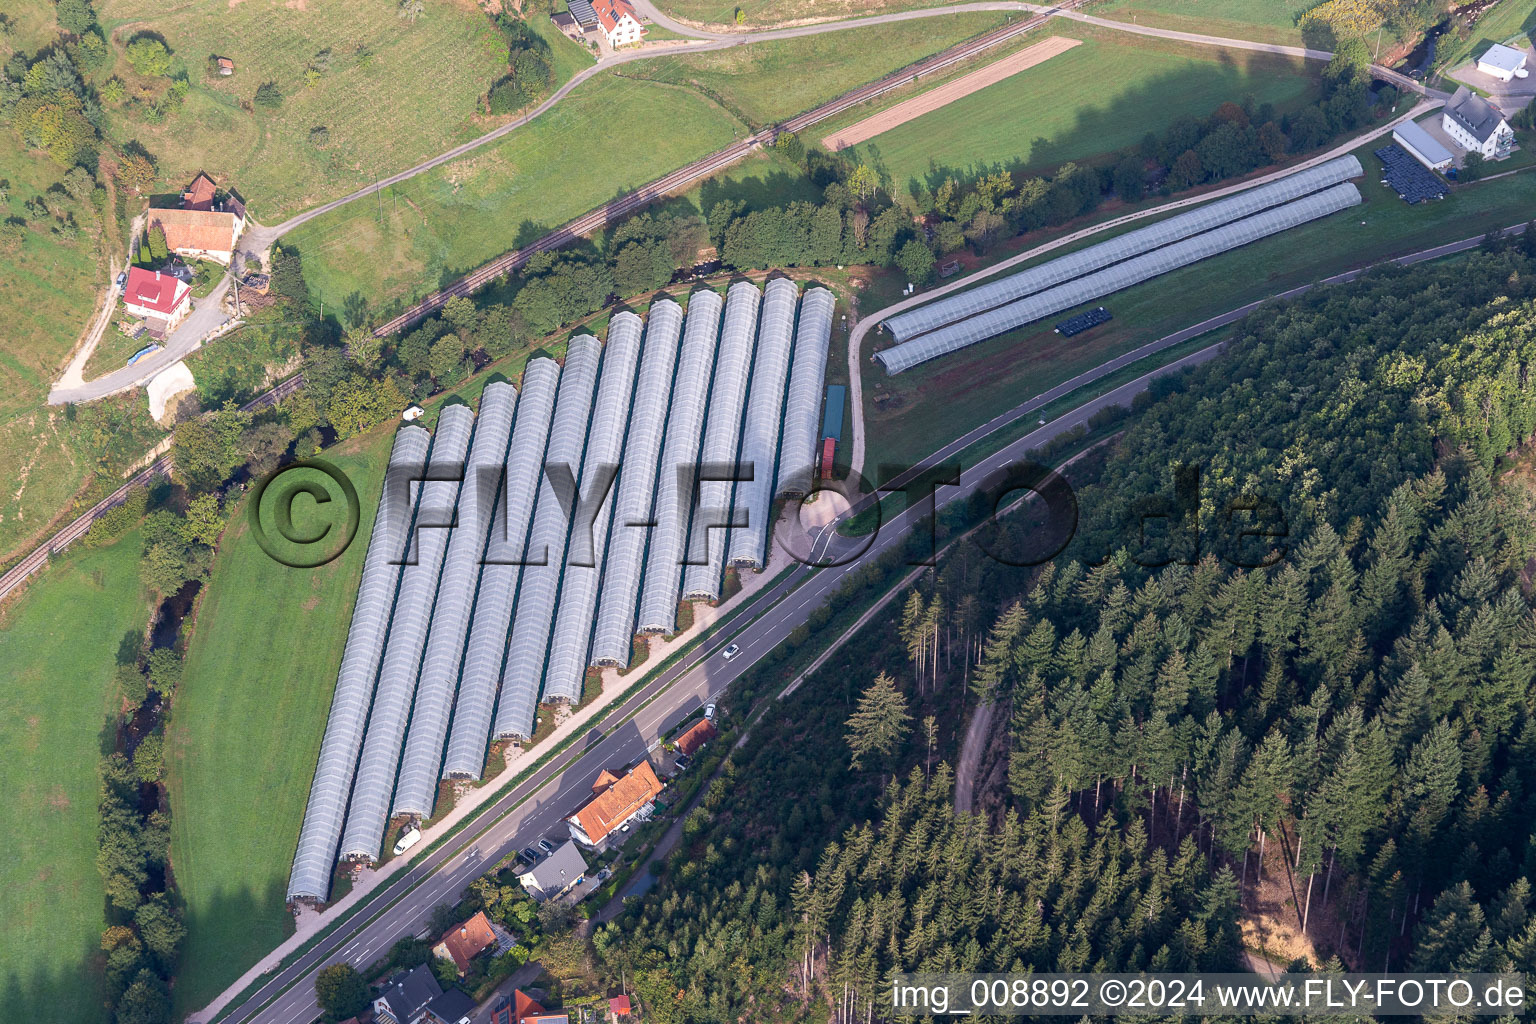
(226,66)
(1422,146)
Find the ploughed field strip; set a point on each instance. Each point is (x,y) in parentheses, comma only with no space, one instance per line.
(943,95)
(515,548)
(969,317)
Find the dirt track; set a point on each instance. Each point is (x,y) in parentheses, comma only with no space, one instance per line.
(948,93)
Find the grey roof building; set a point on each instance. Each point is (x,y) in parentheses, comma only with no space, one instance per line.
(406,995)
(556,873)
(1475,115)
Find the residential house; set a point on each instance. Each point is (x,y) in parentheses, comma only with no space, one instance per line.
(465,941)
(523,1009)
(1476,125)
(452,1007)
(700,733)
(556,874)
(406,996)
(619,1007)
(615,801)
(161,300)
(1502,62)
(619,22)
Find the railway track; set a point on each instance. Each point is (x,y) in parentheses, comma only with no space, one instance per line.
(700,169)
(161,467)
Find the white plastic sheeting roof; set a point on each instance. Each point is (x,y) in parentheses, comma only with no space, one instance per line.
(614,636)
(332,784)
(416,792)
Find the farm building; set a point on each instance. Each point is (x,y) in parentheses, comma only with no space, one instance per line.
(1422,146)
(205,226)
(162,300)
(1477,125)
(1502,62)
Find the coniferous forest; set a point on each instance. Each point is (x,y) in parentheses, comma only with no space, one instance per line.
(1339,707)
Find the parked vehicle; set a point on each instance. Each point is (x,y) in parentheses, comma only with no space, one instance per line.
(709,712)
(681,762)
(408,839)
(530,855)
(547,846)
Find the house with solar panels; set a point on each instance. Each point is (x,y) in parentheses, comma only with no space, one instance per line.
(1477,126)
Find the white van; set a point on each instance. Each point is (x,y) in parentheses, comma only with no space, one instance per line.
(408,839)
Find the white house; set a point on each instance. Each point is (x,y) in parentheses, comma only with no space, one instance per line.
(1476,125)
(619,22)
(1422,146)
(161,300)
(556,874)
(1503,62)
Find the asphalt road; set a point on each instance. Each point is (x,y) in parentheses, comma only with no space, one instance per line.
(207,314)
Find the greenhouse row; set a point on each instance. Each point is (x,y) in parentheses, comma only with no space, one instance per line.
(483,593)
(1122,273)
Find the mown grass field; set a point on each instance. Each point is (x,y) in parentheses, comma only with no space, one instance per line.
(58,653)
(767,82)
(241,748)
(944,398)
(1095,98)
(608,136)
(395,93)
(1266,21)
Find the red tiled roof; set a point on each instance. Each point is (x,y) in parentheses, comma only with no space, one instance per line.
(611,12)
(619,1005)
(153,290)
(199,194)
(618,801)
(467,940)
(702,732)
(196,229)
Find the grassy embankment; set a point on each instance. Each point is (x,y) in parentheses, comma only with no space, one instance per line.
(59,646)
(767,82)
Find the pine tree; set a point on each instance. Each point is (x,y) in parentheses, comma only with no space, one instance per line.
(879,723)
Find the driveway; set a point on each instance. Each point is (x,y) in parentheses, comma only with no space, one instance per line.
(207,314)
